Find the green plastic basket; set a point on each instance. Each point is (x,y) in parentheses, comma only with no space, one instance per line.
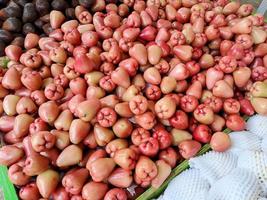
(7,189)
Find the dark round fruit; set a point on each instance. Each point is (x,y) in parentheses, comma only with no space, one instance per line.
(22,2)
(39,23)
(28,28)
(12,24)
(3,14)
(112,1)
(42,7)
(47,29)
(2,48)
(45,18)
(59,5)
(5,36)
(70,13)
(43,35)
(86,3)
(3,3)
(18,41)
(29,13)
(74,3)
(13,10)
(17,35)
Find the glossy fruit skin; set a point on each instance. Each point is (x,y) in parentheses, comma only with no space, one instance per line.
(60,193)
(169,105)
(101,168)
(235,122)
(139,135)
(189,148)
(220,142)
(117,193)
(164,170)
(231,106)
(150,147)
(42,141)
(215,103)
(116,145)
(204,114)
(17,175)
(102,92)
(169,155)
(121,178)
(74,180)
(126,158)
(122,128)
(150,172)
(202,133)
(246,107)
(83,64)
(188,103)
(106,117)
(179,120)
(94,190)
(163,137)
(218,124)
(29,191)
(138,105)
(10,155)
(146,120)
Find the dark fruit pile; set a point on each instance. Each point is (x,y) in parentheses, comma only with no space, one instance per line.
(19,17)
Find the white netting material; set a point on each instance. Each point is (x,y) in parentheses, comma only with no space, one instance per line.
(213,165)
(256,162)
(191,187)
(264,144)
(244,140)
(257,125)
(239,184)
(238,174)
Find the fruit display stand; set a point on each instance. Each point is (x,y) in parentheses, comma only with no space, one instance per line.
(8,191)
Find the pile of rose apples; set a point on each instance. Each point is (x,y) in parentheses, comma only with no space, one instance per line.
(109,102)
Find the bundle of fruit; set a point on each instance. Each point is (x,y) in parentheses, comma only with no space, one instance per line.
(19,17)
(115,97)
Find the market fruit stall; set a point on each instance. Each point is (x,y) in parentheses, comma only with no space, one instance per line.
(109,99)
